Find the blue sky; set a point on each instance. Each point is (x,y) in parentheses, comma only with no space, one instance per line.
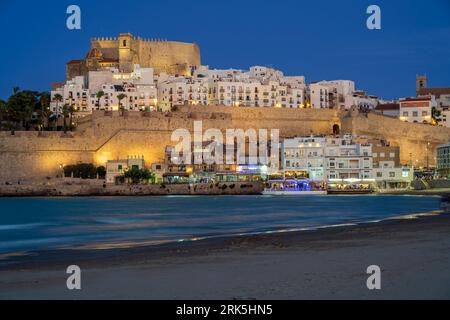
(319,39)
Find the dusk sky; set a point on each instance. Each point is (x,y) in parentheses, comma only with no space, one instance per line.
(322,40)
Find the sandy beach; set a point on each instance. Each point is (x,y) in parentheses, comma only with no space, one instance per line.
(413,254)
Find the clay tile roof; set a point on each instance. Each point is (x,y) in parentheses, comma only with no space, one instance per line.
(388,106)
(416,99)
(109,60)
(75,62)
(434,91)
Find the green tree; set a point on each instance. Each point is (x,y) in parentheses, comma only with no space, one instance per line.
(65,112)
(435,115)
(81,170)
(21,106)
(68,111)
(101,172)
(120,97)
(57,98)
(71,112)
(99,95)
(136,175)
(44,103)
(3,111)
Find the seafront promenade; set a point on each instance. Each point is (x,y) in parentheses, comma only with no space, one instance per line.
(71,187)
(79,187)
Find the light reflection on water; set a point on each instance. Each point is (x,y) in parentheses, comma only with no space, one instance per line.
(33,224)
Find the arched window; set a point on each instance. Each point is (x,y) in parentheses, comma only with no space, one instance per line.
(336,129)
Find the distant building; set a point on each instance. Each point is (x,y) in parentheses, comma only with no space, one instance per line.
(388,177)
(421,83)
(443,160)
(322,95)
(348,161)
(441,95)
(304,157)
(117,168)
(124,51)
(82,92)
(417,110)
(359,99)
(321,158)
(388,109)
(384,154)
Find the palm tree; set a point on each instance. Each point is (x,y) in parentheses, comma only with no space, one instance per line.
(3,110)
(65,111)
(58,98)
(71,112)
(435,115)
(120,97)
(100,94)
(45,107)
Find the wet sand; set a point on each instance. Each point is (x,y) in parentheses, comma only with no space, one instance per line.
(414,256)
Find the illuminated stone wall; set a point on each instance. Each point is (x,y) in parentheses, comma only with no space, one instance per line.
(415,140)
(28,154)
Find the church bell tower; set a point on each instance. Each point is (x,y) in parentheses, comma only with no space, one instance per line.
(125,56)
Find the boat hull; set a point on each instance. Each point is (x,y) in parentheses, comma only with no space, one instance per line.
(350,191)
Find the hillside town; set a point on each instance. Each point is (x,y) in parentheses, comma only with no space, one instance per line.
(142,90)
(118,76)
(314,163)
(307,163)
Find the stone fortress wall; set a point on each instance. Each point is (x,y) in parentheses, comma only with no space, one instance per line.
(171,57)
(101,137)
(417,142)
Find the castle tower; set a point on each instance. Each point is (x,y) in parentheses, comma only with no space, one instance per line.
(421,83)
(125,56)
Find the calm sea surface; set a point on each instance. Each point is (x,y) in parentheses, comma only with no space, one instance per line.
(34,224)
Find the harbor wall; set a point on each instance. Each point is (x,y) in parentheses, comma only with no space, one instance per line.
(111,136)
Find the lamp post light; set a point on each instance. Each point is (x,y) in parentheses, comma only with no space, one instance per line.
(61,167)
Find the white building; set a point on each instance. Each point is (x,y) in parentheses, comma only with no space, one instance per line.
(417,110)
(257,87)
(391,109)
(117,168)
(83,93)
(360,100)
(73,93)
(321,95)
(387,176)
(304,157)
(348,161)
(332,94)
(179,91)
(327,159)
(137,97)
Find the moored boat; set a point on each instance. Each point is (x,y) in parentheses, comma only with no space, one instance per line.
(293,187)
(293,192)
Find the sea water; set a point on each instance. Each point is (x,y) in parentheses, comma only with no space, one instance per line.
(36,224)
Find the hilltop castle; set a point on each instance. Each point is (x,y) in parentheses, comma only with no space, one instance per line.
(174,58)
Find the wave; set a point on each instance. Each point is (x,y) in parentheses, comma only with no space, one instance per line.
(25,226)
